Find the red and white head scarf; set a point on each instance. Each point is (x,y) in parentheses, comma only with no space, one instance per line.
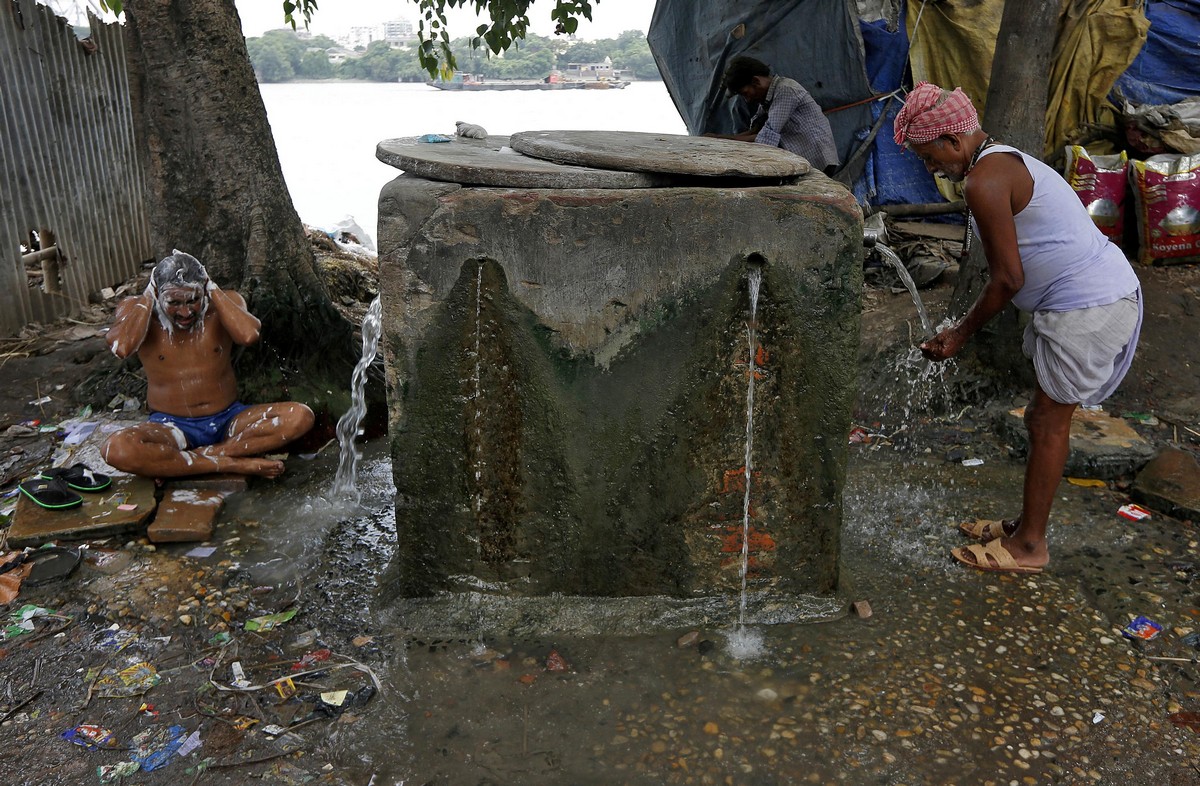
(929,111)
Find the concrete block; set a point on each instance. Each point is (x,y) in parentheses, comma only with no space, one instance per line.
(186,515)
(1102,447)
(1170,484)
(568,380)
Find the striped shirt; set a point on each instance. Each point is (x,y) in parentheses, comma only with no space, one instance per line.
(791,119)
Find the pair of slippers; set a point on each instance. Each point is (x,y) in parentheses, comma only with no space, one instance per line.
(55,489)
(989,555)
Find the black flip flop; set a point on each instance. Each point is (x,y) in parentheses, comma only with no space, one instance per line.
(50,493)
(51,563)
(79,477)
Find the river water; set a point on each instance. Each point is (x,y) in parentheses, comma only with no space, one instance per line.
(326,132)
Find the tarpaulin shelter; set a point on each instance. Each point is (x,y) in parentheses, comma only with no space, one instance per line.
(1167,69)
(842,59)
(815,42)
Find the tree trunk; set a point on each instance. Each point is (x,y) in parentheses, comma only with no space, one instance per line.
(215,186)
(1015,115)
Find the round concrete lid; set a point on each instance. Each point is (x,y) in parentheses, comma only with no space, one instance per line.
(638,151)
(481,162)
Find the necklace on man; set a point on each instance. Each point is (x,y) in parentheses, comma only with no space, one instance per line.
(974,160)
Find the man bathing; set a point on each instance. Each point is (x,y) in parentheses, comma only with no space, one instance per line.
(183,328)
(1045,256)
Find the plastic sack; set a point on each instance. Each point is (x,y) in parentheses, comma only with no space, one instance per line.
(1166,192)
(1100,183)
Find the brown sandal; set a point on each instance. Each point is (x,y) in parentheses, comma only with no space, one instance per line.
(991,557)
(984,529)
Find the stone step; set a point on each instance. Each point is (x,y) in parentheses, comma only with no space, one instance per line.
(186,515)
(98,517)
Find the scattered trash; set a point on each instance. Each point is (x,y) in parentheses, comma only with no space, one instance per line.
(862,608)
(1142,628)
(77,432)
(434,138)
(972,462)
(40,401)
(127,506)
(114,639)
(115,773)
(306,640)
(200,552)
(1192,640)
(1186,720)
(269,621)
(239,675)
(317,656)
(556,662)
(1133,512)
(153,747)
(1099,716)
(285,688)
(130,681)
(858,434)
(217,639)
(334,698)
(273,730)
(687,639)
(21,620)
(90,736)
(1142,417)
(1091,483)
(362,641)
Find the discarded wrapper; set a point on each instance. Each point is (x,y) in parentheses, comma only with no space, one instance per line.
(270,620)
(1142,628)
(972,462)
(1133,512)
(91,736)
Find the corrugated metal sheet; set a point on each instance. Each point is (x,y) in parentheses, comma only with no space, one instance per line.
(67,162)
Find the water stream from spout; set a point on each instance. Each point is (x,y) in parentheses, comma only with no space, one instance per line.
(754,281)
(898,264)
(345,482)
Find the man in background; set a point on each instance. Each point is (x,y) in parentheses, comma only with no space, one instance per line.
(785,115)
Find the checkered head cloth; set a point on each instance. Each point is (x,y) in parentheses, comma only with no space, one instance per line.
(929,111)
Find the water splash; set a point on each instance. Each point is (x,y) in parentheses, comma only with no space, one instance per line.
(902,271)
(745,644)
(754,282)
(344,483)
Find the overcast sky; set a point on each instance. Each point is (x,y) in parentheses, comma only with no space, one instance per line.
(610,18)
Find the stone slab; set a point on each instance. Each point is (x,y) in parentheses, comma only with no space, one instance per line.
(227,483)
(1102,447)
(1170,484)
(186,515)
(97,517)
(481,162)
(639,151)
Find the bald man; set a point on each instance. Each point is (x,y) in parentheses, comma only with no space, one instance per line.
(1046,257)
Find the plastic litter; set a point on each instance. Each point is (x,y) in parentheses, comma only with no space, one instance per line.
(115,773)
(270,620)
(433,138)
(1133,512)
(21,620)
(130,681)
(91,736)
(1142,628)
(972,462)
(154,747)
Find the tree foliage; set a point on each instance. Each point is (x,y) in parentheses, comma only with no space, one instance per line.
(281,55)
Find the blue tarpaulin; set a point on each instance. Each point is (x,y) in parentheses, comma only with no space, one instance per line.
(1167,70)
(891,176)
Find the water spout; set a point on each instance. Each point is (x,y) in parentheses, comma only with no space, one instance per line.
(754,283)
(344,483)
(898,264)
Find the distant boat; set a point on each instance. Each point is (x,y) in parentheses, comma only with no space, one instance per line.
(472,82)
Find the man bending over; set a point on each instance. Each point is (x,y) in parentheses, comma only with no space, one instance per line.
(183,328)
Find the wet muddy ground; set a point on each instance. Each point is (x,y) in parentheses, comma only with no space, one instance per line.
(957,677)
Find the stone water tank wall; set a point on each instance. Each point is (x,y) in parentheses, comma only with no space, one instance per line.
(568,375)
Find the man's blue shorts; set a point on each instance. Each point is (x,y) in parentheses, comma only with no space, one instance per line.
(205,430)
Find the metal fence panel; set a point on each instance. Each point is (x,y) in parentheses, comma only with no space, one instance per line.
(68,163)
